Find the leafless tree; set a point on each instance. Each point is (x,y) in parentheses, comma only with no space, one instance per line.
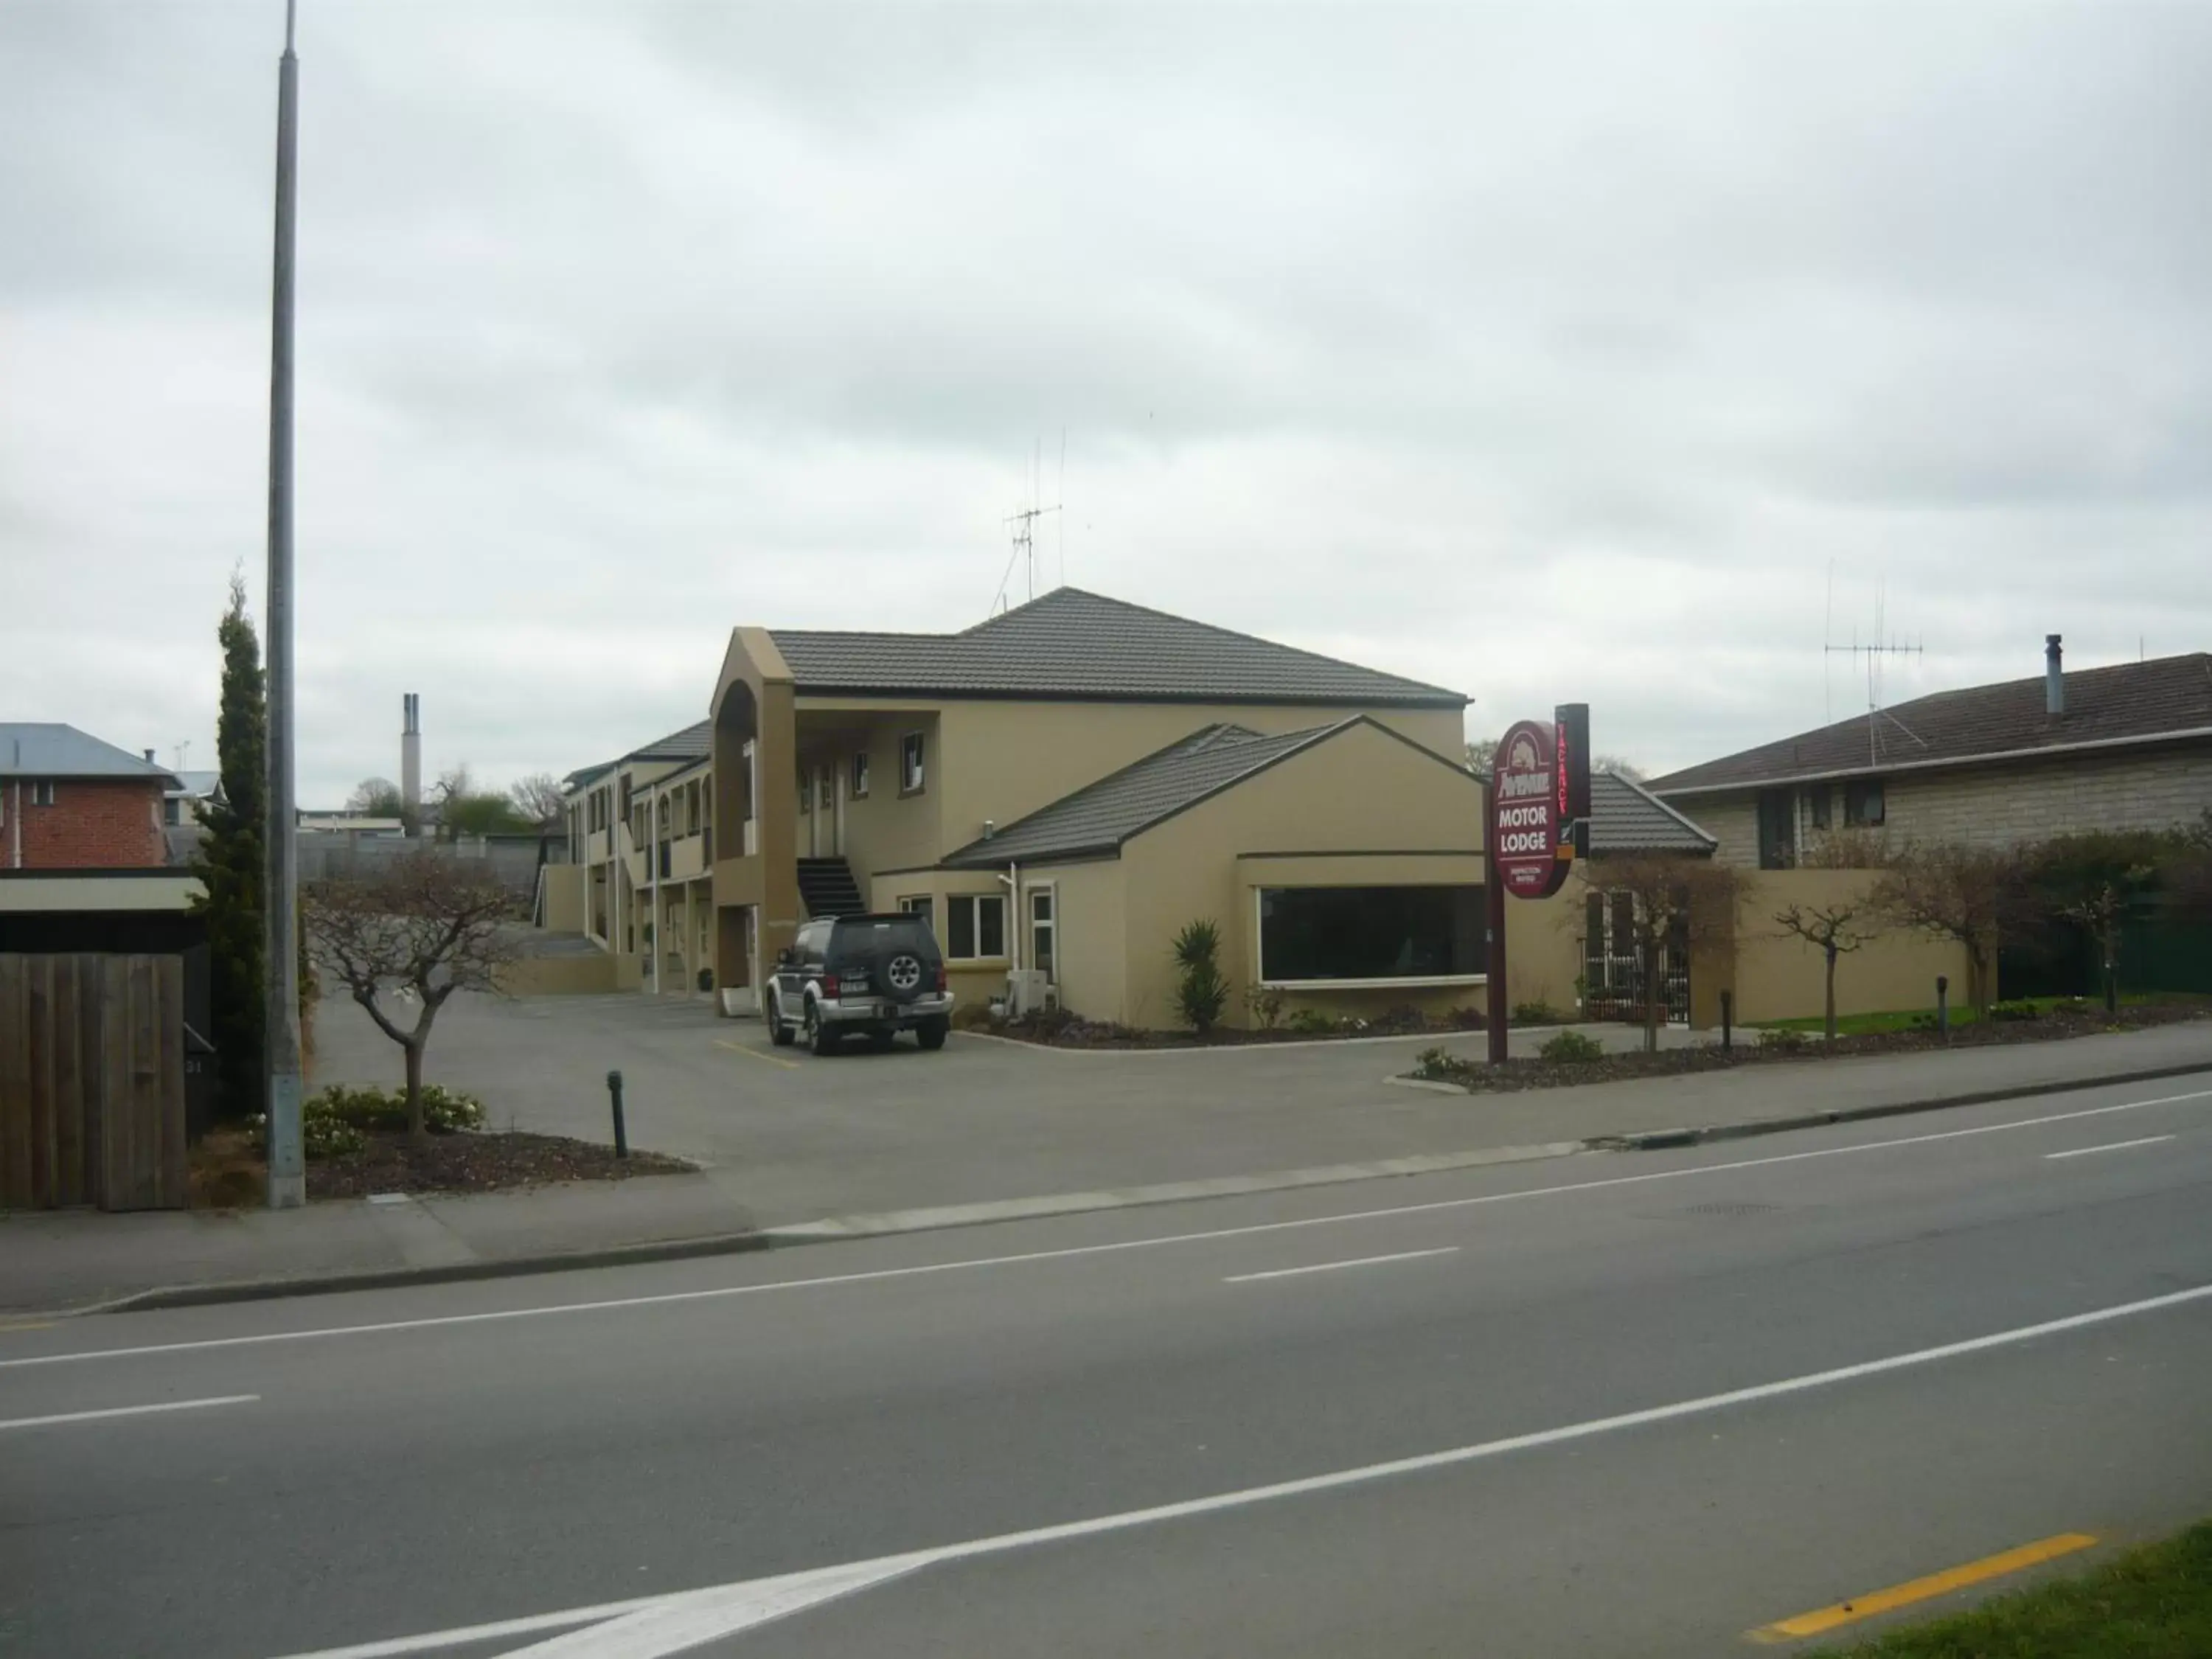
(538,798)
(1977,896)
(1618,767)
(416,929)
(1835,929)
(1480,753)
(1676,902)
(375,798)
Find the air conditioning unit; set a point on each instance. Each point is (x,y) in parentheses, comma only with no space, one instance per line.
(1028,989)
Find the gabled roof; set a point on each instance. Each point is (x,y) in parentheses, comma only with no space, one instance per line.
(1097,818)
(200,785)
(695,742)
(1625,817)
(2130,703)
(42,749)
(1084,646)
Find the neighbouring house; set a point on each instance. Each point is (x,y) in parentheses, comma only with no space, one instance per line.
(2128,746)
(69,801)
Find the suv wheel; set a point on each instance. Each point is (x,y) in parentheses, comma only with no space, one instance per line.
(778,1032)
(931,1032)
(818,1037)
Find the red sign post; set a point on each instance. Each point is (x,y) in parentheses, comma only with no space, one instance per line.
(1527,796)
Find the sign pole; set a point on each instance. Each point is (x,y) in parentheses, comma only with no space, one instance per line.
(1493,898)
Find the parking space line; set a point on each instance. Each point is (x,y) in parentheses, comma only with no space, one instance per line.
(2110,1146)
(129,1411)
(754,1053)
(1822,1619)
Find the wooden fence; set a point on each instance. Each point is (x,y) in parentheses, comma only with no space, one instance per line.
(92,1082)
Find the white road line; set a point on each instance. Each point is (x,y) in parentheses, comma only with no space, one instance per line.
(2111,1146)
(1332,1267)
(851,1574)
(874,1275)
(129,1411)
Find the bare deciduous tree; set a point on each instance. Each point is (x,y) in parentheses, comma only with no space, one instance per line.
(1675,901)
(1977,896)
(1835,929)
(376,797)
(1480,753)
(418,929)
(539,798)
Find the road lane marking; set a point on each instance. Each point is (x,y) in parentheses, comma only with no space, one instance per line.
(684,1622)
(1823,1619)
(754,1053)
(668,1298)
(2110,1146)
(1332,1267)
(1187,1509)
(127,1411)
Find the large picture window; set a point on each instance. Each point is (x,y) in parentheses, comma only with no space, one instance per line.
(1309,933)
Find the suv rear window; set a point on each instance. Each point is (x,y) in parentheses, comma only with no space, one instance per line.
(865,938)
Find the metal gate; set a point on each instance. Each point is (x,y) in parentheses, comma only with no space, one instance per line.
(1613,965)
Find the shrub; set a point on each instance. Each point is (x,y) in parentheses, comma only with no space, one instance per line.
(1434,1063)
(1787,1041)
(1571,1048)
(2020,1009)
(1537,1013)
(1200,992)
(384,1111)
(1311,1022)
(1265,1004)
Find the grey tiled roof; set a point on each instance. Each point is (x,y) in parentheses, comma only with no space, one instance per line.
(1074,644)
(1624,819)
(1100,817)
(46,750)
(2135,701)
(694,742)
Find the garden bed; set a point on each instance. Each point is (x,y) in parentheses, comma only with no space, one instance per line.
(2055,1022)
(1056,1028)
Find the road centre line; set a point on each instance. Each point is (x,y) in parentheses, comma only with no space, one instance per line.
(887,1566)
(871,1275)
(2110,1146)
(129,1411)
(754,1053)
(1333,1266)
(1822,1619)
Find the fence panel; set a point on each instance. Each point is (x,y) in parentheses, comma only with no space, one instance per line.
(92,1089)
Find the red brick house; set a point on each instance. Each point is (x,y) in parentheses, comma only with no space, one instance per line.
(70,802)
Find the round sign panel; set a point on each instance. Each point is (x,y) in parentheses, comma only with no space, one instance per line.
(1524,824)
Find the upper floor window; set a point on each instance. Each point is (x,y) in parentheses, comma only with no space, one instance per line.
(1862,802)
(860,774)
(42,792)
(911,763)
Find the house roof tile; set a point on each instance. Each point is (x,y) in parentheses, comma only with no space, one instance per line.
(35,749)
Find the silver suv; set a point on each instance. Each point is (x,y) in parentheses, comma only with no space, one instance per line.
(880,974)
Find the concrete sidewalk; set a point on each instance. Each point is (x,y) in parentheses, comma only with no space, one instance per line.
(72,1261)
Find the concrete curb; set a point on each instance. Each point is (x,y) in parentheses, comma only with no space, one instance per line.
(1654,1140)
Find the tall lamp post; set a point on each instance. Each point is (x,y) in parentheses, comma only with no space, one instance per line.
(288,1176)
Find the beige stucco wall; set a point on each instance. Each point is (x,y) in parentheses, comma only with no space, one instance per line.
(565,888)
(1363,809)
(885,830)
(93,890)
(1777,976)
(1995,806)
(566,976)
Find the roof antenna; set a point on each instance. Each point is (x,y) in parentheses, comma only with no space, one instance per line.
(1873,654)
(1025,523)
(1060,524)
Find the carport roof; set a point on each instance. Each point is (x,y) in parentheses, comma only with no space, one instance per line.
(1079,646)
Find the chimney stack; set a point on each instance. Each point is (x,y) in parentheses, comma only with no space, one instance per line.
(149,758)
(410,751)
(2054,682)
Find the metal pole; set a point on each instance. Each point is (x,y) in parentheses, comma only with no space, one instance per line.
(1493,892)
(288,1180)
(614,1096)
(1943,1006)
(1728,1019)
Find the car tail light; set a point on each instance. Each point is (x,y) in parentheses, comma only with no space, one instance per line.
(940,977)
(829,985)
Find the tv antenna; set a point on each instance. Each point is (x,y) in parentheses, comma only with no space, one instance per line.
(1874,654)
(183,747)
(1025,524)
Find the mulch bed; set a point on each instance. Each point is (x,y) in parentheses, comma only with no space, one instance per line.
(1061,1031)
(471,1162)
(1478,1077)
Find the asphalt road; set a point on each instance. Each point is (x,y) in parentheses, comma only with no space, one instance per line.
(1614,1405)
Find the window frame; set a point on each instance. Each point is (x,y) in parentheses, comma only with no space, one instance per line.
(972,905)
(919,904)
(1857,792)
(42,792)
(1049,891)
(914,773)
(859,775)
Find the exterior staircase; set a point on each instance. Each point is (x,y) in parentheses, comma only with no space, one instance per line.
(828,887)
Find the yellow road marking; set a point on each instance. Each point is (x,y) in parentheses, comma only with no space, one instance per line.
(1920,1590)
(754,1053)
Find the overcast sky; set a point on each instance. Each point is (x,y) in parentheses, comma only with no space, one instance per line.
(1544,353)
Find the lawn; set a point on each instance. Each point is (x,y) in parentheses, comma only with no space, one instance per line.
(1903,1019)
(2151,1603)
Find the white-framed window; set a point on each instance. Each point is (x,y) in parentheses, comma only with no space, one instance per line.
(911,763)
(860,774)
(922,905)
(975,926)
(42,792)
(1044,933)
(1371,933)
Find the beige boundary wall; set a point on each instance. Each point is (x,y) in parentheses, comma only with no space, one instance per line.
(1778,977)
(565,888)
